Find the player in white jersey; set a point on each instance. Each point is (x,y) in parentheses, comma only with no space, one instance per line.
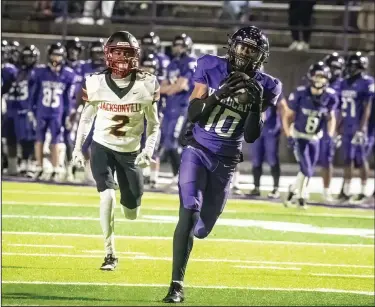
(120,97)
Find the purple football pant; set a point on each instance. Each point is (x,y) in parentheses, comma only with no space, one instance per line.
(53,124)
(353,152)
(18,128)
(326,152)
(265,147)
(170,132)
(370,145)
(203,185)
(306,153)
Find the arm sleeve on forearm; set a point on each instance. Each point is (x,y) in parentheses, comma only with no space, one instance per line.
(253,126)
(199,108)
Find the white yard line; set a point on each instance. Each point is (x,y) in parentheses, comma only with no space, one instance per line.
(42,245)
(117,253)
(54,204)
(266,267)
(56,234)
(343,275)
(211,260)
(323,290)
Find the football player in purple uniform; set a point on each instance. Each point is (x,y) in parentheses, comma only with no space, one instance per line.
(336,64)
(308,108)
(18,100)
(8,77)
(51,100)
(150,44)
(73,49)
(94,64)
(357,91)
(221,121)
(177,87)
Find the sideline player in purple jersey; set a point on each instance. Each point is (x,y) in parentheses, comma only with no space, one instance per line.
(73,49)
(53,91)
(95,64)
(308,108)
(21,128)
(177,87)
(371,133)
(336,64)
(151,65)
(14,53)
(150,44)
(267,147)
(357,90)
(8,76)
(221,121)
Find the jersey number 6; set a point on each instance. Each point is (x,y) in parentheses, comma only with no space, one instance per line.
(115,129)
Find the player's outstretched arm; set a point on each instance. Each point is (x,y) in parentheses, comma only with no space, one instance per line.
(331,124)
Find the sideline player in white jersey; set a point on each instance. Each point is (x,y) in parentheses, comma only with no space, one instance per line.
(120,97)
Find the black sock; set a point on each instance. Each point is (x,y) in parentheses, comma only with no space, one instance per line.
(27,149)
(257,173)
(175,161)
(69,150)
(183,239)
(275,172)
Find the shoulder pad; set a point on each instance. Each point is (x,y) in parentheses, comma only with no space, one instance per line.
(69,69)
(208,60)
(301,88)
(330,90)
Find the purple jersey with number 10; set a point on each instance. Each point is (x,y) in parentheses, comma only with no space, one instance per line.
(222,132)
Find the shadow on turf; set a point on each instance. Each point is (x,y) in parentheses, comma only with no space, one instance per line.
(50,297)
(30,296)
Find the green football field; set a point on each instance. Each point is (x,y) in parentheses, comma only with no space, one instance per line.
(258,253)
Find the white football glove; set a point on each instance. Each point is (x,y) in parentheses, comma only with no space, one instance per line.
(359,138)
(68,123)
(31,118)
(78,159)
(143,159)
(337,140)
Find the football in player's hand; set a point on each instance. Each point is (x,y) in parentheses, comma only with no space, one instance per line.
(242,97)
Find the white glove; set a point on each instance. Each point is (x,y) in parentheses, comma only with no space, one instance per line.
(78,159)
(359,138)
(31,117)
(338,141)
(68,123)
(143,159)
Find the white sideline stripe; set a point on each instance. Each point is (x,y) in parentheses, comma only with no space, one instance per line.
(141,257)
(119,253)
(28,203)
(342,275)
(324,290)
(80,193)
(42,245)
(56,234)
(53,204)
(81,218)
(266,267)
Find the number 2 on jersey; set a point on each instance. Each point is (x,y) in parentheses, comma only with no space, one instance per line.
(225,124)
(115,129)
